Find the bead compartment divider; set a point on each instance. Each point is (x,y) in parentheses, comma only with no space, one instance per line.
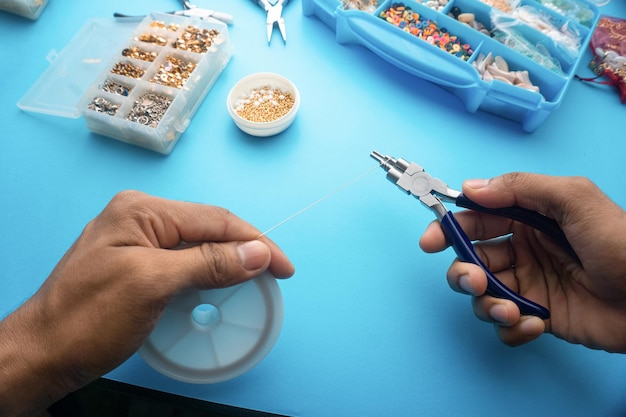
(185,99)
(413,55)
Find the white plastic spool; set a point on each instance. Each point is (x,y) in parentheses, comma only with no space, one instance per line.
(211,336)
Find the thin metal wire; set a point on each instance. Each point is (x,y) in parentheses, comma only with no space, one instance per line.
(319,200)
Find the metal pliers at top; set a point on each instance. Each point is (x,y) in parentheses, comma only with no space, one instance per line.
(191,10)
(274,15)
(432,192)
(205,14)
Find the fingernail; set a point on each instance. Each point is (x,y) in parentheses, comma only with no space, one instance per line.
(531,325)
(476,183)
(498,313)
(253,254)
(464,283)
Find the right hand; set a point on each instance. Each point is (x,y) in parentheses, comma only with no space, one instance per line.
(587,301)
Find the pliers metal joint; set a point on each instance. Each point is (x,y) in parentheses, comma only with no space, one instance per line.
(432,192)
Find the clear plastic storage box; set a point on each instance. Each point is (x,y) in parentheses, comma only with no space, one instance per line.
(28,8)
(140,83)
(549,75)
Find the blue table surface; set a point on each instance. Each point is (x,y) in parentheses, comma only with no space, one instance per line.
(371,327)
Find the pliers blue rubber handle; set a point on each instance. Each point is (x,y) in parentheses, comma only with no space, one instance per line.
(412,179)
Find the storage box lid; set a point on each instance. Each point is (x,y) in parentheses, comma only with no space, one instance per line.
(72,71)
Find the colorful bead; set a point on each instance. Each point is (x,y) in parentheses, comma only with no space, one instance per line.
(410,21)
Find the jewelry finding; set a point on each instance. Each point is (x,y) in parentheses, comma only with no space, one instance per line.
(102,105)
(149,109)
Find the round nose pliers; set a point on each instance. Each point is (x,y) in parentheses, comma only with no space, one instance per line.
(432,192)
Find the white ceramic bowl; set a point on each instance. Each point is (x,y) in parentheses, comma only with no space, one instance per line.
(254,81)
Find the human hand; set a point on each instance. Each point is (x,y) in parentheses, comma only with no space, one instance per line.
(107,293)
(586,301)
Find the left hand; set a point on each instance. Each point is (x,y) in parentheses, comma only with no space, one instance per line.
(107,293)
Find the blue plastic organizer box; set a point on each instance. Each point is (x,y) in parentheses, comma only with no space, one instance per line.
(459,76)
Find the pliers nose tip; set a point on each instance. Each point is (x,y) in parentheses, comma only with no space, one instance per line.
(378,156)
(270,29)
(281,27)
(283,33)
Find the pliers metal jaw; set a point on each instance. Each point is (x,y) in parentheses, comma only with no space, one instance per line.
(412,178)
(432,192)
(274,16)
